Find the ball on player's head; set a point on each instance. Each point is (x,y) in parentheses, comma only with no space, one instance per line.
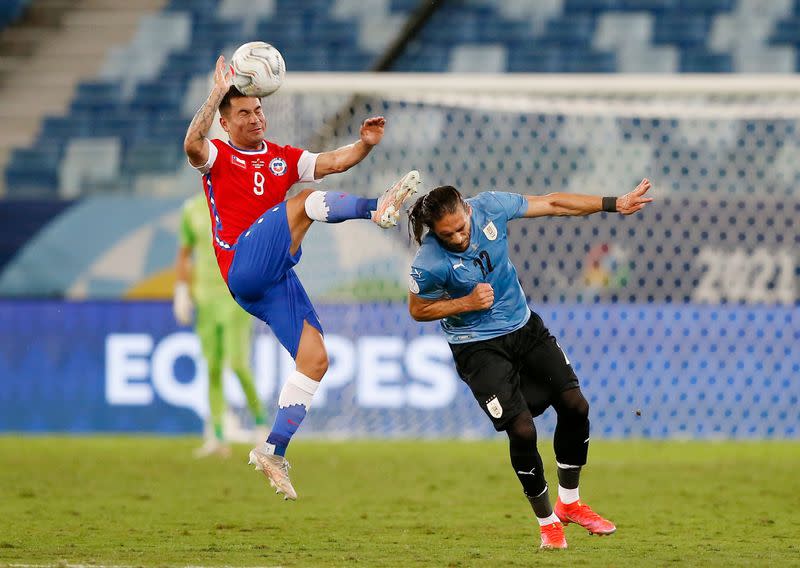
(258,69)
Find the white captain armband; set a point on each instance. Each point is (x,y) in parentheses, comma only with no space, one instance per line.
(212,157)
(306,166)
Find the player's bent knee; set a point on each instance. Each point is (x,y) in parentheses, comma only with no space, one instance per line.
(313,364)
(574,404)
(521,427)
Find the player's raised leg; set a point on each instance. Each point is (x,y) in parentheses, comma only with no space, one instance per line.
(336,206)
(571,442)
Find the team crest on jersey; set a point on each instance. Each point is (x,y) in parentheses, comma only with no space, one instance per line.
(490,231)
(258,164)
(277,166)
(413,285)
(494,408)
(237,161)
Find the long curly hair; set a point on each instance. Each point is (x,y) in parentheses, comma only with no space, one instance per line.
(431,207)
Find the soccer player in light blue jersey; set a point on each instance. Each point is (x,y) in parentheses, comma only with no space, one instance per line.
(514,366)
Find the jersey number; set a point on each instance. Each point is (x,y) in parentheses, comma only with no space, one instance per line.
(479,262)
(258,180)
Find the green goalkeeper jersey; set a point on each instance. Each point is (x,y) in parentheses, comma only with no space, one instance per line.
(195,233)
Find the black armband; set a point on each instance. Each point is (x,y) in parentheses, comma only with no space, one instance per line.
(610,204)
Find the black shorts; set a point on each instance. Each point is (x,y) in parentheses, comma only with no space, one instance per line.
(525,369)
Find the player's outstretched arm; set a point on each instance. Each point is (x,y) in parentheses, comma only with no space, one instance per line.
(576,204)
(344,158)
(421,309)
(195,144)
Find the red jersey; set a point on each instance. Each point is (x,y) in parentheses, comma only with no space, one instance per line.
(240,185)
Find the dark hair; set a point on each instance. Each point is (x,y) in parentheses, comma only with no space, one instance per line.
(225,103)
(431,207)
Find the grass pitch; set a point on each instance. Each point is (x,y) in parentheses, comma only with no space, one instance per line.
(146,502)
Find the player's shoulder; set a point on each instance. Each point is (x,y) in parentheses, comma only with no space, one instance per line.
(496,202)
(287,151)
(485,200)
(430,255)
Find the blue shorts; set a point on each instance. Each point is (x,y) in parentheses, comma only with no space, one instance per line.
(262,281)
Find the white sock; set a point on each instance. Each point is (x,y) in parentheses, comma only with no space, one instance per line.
(548,520)
(298,389)
(315,206)
(568,496)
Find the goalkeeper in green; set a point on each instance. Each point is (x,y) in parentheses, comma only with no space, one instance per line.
(223,327)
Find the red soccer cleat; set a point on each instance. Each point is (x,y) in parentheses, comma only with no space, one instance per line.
(583,515)
(553,536)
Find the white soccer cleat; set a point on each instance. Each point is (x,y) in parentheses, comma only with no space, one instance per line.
(391,202)
(212,447)
(276,468)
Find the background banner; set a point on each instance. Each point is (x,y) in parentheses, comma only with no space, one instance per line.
(654,370)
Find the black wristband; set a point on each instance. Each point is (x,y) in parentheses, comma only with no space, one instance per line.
(610,204)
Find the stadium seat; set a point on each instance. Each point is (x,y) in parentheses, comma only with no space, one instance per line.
(702,61)
(478,59)
(89,164)
(786,32)
(33,171)
(11,11)
(656,6)
(134,99)
(681,30)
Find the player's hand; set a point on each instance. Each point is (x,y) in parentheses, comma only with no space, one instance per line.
(481,297)
(182,306)
(223,75)
(632,201)
(372,130)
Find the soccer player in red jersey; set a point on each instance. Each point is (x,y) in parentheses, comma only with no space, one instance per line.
(257,236)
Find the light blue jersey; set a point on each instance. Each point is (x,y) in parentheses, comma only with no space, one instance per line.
(438,273)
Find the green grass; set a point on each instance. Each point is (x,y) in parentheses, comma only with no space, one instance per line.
(146,502)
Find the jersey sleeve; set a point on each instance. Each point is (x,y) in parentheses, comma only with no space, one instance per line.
(426,284)
(306,166)
(299,162)
(212,157)
(186,234)
(512,205)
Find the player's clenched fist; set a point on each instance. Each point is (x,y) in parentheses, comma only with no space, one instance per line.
(481,297)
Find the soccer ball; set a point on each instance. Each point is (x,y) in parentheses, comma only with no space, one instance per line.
(258,69)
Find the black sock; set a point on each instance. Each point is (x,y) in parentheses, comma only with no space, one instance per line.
(568,478)
(541,504)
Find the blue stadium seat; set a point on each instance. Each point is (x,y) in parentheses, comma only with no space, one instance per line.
(702,61)
(574,30)
(11,11)
(682,30)
(97,97)
(193,6)
(786,32)
(419,58)
(403,5)
(34,169)
(509,32)
(655,6)
(156,97)
(706,6)
(128,126)
(180,66)
(151,157)
(590,6)
(57,129)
